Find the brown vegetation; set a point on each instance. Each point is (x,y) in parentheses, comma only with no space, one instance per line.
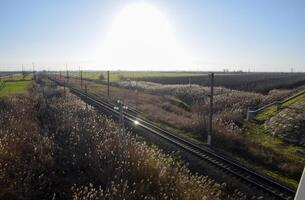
(52,147)
(253,82)
(185,107)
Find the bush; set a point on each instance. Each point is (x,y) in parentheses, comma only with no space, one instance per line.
(121,77)
(101,77)
(52,147)
(228,136)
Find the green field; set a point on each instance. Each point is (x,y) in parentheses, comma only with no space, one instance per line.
(117,75)
(16,77)
(14,87)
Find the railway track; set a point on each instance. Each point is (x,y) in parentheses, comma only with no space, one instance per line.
(258,181)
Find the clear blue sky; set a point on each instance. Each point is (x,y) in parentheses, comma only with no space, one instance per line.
(263,35)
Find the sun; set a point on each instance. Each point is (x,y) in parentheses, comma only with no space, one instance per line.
(141,36)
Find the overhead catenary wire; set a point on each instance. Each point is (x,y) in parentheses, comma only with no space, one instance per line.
(232,167)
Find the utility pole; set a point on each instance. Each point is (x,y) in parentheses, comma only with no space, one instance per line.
(210,127)
(34,75)
(81,79)
(190,85)
(64,82)
(137,95)
(86,96)
(23,74)
(80,76)
(79,71)
(108,80)
(67,74)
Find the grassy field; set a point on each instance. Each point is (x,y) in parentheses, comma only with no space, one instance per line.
(14,87)
(272,110)
(266,113)
(117,75)
(19,84)
(255,131)
(294,100)
(17,77)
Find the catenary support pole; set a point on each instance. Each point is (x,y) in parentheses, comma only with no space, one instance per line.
(108,83)
(65,87)
(210,124)
(67,74)
(23,73)
(81,79)
(86,96)
(34,75)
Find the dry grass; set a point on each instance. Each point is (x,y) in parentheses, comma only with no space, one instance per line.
(52,147)
(230,108)
(155,102)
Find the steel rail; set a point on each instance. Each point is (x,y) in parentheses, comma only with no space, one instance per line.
(264,183)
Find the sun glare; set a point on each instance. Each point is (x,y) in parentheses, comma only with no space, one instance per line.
(140,36)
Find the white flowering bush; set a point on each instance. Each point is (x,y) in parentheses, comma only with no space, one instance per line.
(289,124)
(185,92)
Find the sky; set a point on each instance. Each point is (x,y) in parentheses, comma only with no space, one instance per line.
(205,35)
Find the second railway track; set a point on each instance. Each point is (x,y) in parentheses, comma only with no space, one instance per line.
(261,182)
